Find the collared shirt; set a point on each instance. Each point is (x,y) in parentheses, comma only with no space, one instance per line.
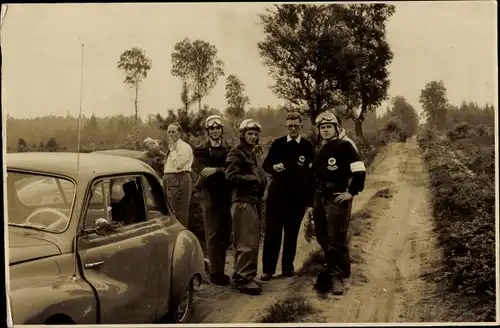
(214,143)
(180,159)
(288,138)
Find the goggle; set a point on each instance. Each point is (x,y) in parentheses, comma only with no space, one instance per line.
(214,122)
(326,117)
(253,125)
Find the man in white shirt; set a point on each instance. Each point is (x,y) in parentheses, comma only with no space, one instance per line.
(177,174)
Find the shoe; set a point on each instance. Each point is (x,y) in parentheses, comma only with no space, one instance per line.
(337,285)
(250,288)
(220,279)
(266,277)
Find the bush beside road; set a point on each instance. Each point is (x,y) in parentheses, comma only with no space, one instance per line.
(462,173)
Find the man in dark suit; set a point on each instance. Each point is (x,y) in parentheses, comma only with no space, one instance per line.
(291,191)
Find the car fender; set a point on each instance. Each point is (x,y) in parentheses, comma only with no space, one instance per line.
(40,299)
(187,262)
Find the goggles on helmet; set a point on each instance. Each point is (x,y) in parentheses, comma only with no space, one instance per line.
(325,118)
(250,124)
(214,121)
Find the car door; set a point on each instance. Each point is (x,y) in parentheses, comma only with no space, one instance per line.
(157,209)
(122,265)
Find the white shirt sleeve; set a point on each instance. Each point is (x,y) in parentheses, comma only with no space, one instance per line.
(181,155)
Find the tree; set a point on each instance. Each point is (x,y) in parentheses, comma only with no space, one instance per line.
(22,145)
(51,145)
(434,102)
(406,114)
(323,56)
(365,80)
(197,65)
(136,66)
(236,99)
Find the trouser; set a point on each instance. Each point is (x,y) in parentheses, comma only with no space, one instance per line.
(288,221)
(217,224)
(246,236)
(179,187)
(331,222)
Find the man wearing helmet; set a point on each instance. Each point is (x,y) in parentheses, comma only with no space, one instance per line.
(336,162)
(211,158)
(247,182)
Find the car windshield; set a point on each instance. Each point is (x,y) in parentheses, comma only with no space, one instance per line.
(39,201)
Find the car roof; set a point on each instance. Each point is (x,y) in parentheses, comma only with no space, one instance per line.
(65,163)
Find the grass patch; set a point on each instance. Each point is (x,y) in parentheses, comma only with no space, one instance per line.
(293,309)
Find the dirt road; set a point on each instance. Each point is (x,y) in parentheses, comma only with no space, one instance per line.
(386,285)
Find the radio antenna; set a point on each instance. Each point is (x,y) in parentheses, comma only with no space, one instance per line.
(75,241)
(80,114)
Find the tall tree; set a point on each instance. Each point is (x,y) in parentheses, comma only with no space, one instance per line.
(136,66)
(322,56)
(236,99)
(406,114)
(365,81)
(434,102)
(197,65)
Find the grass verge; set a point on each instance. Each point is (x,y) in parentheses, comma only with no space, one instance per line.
(464,213)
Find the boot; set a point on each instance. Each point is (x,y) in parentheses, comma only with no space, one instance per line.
(250,288)
(337,285)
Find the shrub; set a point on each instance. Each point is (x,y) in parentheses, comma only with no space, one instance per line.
(464,212)
(460,131)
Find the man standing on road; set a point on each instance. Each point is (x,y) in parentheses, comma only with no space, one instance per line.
(211,159)
(153,155)
(177,174)
(291,191)
(336,162)
(248,182)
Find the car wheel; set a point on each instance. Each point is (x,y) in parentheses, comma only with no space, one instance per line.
(182,313)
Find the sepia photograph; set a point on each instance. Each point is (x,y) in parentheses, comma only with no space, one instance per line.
(250,163)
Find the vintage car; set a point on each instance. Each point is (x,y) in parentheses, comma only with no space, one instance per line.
(92,240)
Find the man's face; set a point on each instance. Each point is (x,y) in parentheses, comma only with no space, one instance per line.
(155,145)
(251,137)
(215,132)
(327,131)
(173,132)
(294,127)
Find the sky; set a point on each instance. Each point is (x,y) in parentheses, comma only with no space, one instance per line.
(41,53)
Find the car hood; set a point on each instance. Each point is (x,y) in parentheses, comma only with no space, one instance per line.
(25,247)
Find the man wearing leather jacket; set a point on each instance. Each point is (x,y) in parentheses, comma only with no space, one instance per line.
(210,157)
(247,182)
(340,175)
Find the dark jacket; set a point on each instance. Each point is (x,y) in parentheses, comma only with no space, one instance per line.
(246,179)
(295,184)
(207,156)
(336,163)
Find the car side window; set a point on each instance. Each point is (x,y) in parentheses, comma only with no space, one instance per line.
(153,194)
(99,204)
(127,201)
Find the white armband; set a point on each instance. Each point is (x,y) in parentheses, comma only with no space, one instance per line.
(358,167)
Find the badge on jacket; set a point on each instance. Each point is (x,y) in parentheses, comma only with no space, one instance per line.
(331,164)
(301,161)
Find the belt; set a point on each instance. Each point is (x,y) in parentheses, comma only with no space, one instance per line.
(181,172)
